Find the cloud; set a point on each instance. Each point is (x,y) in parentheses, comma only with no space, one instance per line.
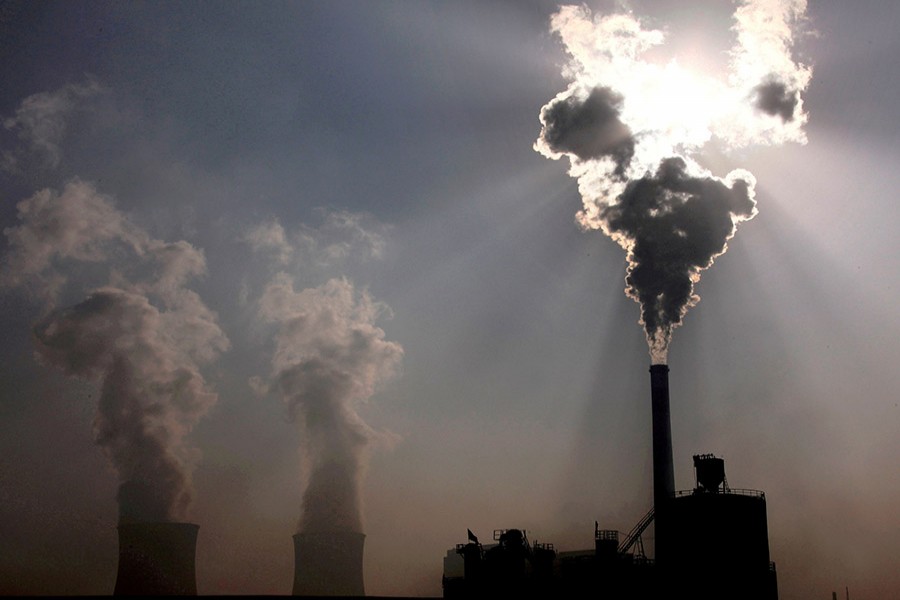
(40,121)
(270,237)
(343,237)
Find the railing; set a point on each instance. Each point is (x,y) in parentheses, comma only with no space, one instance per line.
(606,534)
(733,491)
(636,532)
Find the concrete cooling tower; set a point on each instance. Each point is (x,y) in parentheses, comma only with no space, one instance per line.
(157,559)
(328,564)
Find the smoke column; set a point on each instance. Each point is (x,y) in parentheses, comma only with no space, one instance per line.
(631,129)
(141,338)
(329,357)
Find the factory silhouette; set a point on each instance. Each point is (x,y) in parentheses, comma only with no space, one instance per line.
(710,542)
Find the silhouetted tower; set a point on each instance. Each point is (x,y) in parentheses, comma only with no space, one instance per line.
(157,559)
(722,540)
(329,564)
(663,470)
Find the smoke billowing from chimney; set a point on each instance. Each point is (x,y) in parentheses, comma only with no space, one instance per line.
(329,357)
(141,337)
(631,129)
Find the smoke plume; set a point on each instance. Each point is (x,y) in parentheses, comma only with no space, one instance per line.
(632,130)
(40,122)
(329,358)
(141,337)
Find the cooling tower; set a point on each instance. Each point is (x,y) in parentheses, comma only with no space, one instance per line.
(328,564)
(157,559)
(663,470)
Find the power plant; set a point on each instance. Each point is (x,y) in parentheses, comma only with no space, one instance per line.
(710,542)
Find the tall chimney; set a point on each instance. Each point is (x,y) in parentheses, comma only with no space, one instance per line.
(329,564)
(663,470)
(157,559)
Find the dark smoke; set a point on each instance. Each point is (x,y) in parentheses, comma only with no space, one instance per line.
(633,128)
(774,98)
(589,128)
(675,225)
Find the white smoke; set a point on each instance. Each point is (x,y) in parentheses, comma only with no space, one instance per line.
(329,358)
(142,339)
(40,122)
(343,236)
(632,128)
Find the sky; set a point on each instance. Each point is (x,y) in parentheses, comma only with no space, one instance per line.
(210,209)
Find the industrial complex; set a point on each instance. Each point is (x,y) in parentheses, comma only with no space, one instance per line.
(709,542)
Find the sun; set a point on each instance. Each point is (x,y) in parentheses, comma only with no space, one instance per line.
(671,109)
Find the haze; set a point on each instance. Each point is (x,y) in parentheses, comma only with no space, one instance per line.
(383,153)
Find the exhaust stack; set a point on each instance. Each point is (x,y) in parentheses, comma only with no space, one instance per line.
(663,470)
(329,564)
(157,559)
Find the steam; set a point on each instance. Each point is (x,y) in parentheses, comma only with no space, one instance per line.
(632,129)
(329,358)
(40,122)
(342,237)
(142,337)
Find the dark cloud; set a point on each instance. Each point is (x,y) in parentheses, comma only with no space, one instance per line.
(774,98)
(589,128)
(674,225)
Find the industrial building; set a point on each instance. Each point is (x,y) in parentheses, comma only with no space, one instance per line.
(711,542)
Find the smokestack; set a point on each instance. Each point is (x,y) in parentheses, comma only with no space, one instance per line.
(328,564)
(157,559)
(663,470)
